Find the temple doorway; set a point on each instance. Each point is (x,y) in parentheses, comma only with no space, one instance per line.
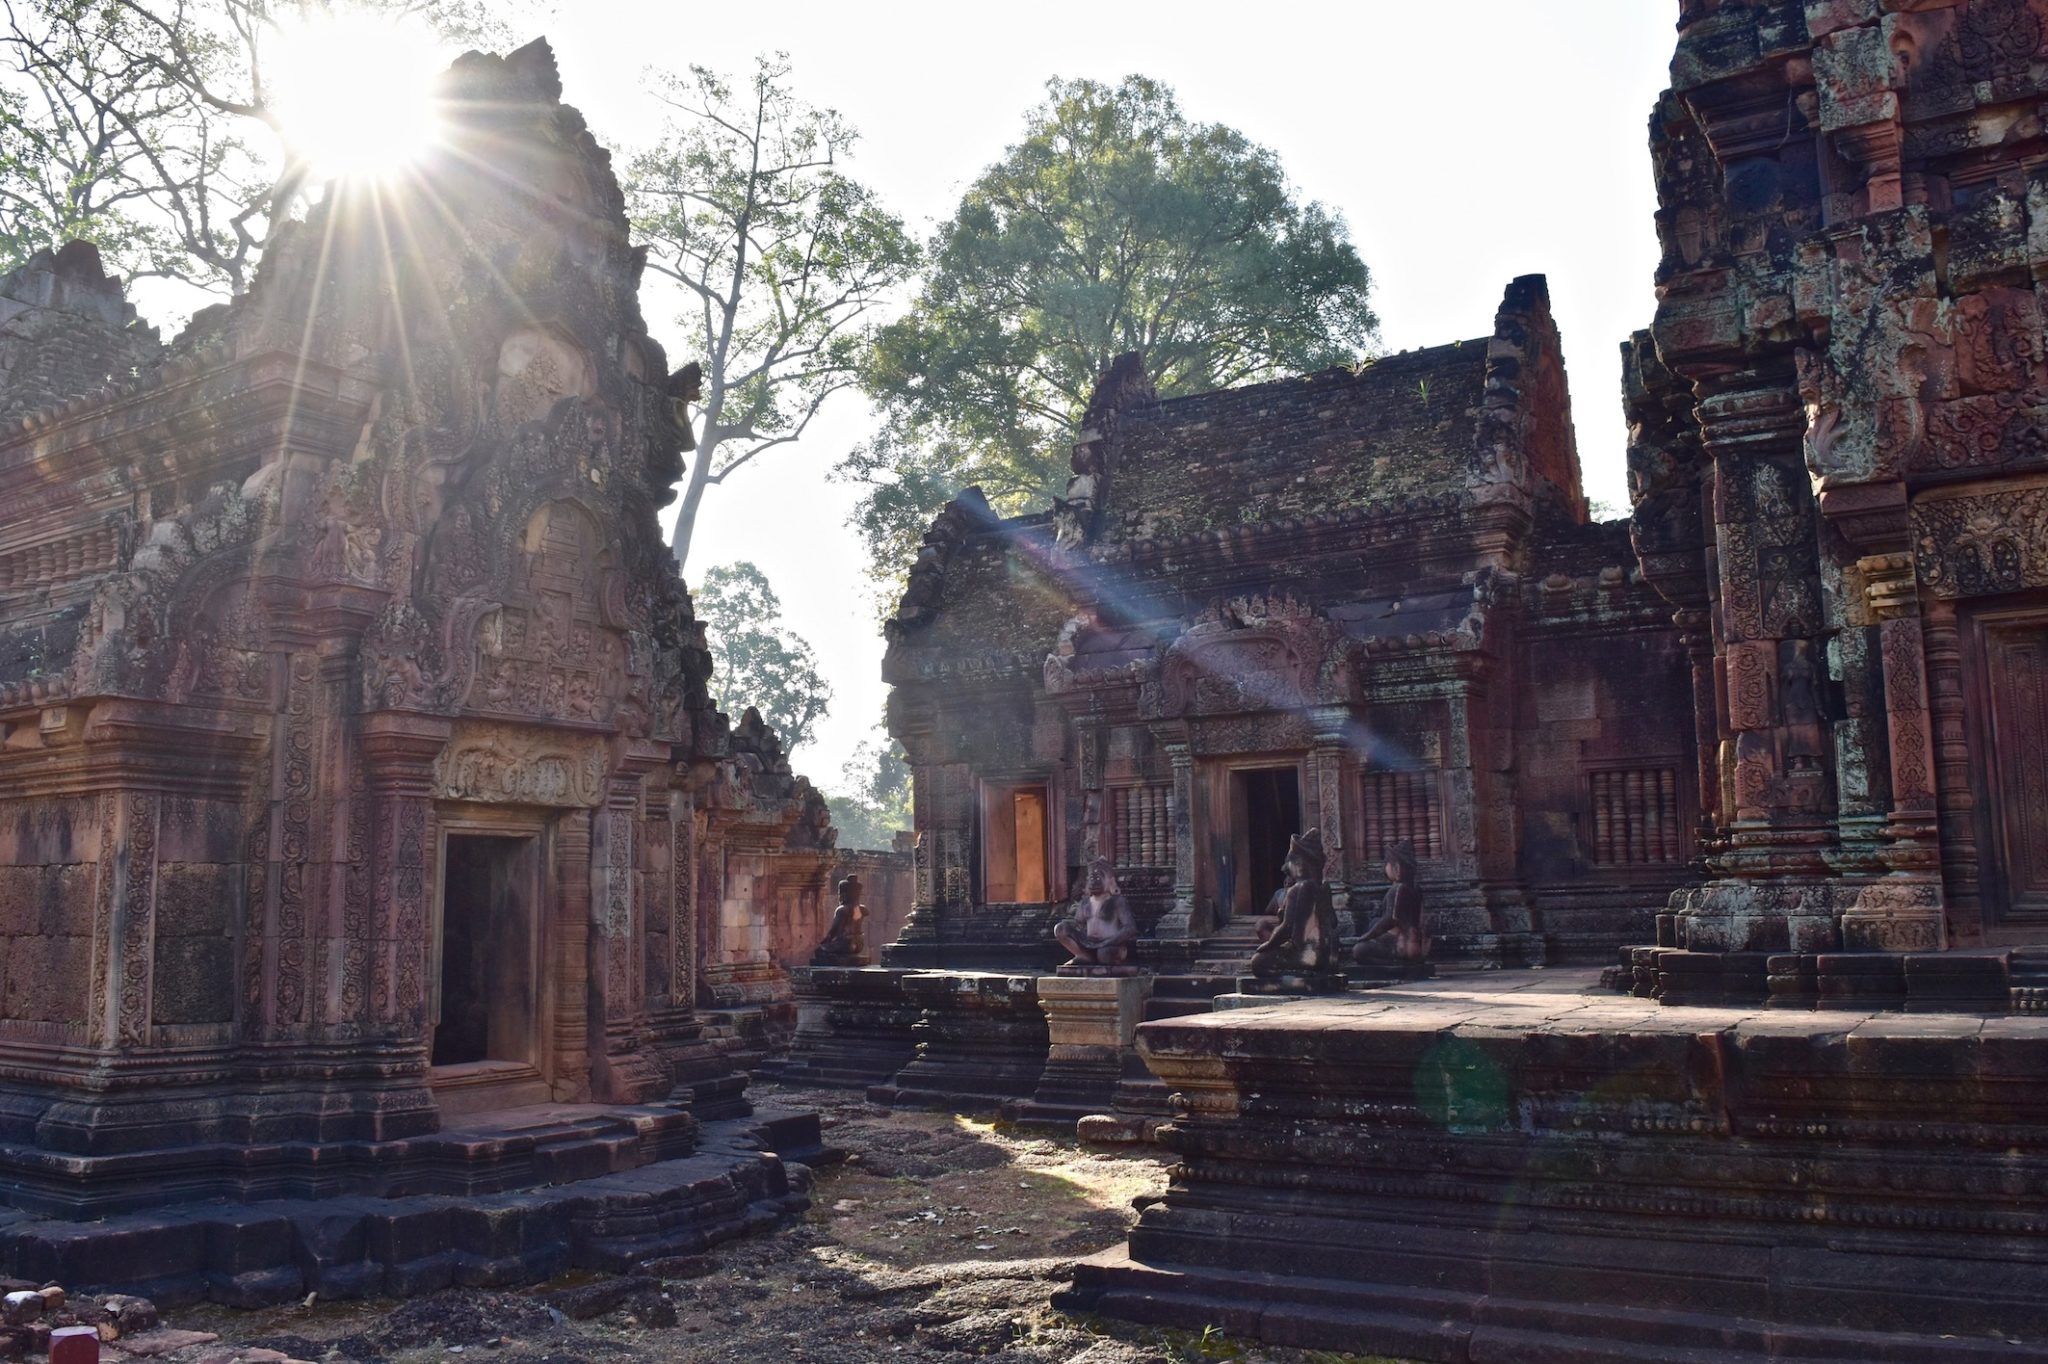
(1265,812)
(486,1001)
(1016,863)
(2016,654)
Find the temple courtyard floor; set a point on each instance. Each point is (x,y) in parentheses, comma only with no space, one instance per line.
(940,1238)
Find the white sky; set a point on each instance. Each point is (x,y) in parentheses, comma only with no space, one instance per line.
(1464,141)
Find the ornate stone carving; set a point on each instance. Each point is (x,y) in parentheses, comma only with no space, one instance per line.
(1986,540)
(505,764)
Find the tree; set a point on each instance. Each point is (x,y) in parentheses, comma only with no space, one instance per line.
(755,660)
(153,129)
(874,798)
(782,256)
(1115,224)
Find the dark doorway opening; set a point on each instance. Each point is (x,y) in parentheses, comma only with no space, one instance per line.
(486,1005)
(1265,813)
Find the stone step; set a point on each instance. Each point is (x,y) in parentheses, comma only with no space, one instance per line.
(1157,1009)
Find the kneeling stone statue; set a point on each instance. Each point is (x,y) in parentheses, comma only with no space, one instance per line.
(1304,942)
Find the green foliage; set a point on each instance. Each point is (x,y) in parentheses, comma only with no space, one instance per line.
(1115,224)
(874,796)
(756,661)
(147,127)
(782,258)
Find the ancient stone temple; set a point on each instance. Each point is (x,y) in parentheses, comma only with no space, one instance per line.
(765,857)
(1840,435)
(1839,460)
(1368,601)
(358,766)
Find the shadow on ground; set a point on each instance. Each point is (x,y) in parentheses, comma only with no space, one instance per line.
(940,1239)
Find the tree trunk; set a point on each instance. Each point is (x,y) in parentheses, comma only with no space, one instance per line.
(693,498)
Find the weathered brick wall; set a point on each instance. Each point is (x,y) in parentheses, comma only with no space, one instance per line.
(1400,427)
(65,329)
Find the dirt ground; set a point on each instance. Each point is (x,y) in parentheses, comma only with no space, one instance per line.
(941,1238)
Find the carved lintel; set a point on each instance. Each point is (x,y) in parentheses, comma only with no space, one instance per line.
(510,765)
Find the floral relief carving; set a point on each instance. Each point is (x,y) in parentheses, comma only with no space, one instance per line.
(504,764)
(1982,542)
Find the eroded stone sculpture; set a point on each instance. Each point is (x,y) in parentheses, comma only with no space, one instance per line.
(846,938)
(1304,942)
(1399,936)
(1102,930)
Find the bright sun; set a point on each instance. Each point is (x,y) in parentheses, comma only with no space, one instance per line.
(354,93)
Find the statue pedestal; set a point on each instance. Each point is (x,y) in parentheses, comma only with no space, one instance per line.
(980,1039)
(1091,1022)
(1329,982)
(852,1027)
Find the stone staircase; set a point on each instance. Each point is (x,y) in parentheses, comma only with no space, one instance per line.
(1228,951)
(2027,971)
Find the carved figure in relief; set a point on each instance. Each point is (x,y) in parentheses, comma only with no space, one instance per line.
(1304,942)
(1101,929)
(846,938)
(1398,935)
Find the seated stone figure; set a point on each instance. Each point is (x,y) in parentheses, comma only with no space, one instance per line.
(846,938)
(1101,930)
(1398,937)
(1304,941)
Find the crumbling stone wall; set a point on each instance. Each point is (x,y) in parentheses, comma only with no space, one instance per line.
(66,329)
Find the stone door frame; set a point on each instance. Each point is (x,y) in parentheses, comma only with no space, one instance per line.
(495,1084)
(1980,621)
(1214,776)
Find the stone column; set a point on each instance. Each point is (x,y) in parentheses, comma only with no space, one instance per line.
(1183,920)
(1696,634)
(1329,774)
(124,921)
(1777,762)
(1902,912)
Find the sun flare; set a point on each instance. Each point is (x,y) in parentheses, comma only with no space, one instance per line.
(354,93)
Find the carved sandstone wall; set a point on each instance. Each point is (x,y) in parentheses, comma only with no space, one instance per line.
(1841,422)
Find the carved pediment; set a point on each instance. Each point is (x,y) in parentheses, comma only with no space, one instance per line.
(1253,654)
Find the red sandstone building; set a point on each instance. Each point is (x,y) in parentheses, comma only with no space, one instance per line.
(357,769)
(1364,600)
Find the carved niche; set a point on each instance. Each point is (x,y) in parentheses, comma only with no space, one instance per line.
(1252,654)
(508,765)
(1990,539)
(552,648)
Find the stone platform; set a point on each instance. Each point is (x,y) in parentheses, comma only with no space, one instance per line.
(1518,1166)
(573,1188)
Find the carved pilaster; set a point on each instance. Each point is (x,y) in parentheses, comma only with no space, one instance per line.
(1697,636)
(1903,912)
(400,750)
(1955,800)
(1185,919)
(1329,771)
(620,1071)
